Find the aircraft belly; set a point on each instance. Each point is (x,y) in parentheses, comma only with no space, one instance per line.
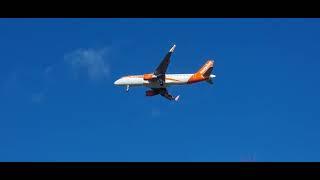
(174,79)
(154,85)
(174,82)
(135,81)
(157,86)
(170,80)
(139,81)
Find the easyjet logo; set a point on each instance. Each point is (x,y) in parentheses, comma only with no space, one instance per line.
(205,68)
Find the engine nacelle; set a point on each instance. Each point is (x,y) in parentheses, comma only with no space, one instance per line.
(149,77)
(151,93)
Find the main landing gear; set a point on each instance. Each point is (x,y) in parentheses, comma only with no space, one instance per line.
(160,82)
(160,79)
(127,88)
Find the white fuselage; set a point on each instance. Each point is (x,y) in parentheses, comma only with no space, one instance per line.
(170,79)
(137,80)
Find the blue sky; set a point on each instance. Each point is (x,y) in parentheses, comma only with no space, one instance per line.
(58,101)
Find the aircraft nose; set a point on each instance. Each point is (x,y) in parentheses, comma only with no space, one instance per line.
(117,82)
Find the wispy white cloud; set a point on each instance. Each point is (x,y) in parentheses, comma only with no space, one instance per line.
(92,60)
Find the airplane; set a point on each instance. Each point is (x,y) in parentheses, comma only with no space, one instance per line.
(158,81)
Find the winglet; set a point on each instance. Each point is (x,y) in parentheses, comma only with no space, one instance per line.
(177,98)
(172,49)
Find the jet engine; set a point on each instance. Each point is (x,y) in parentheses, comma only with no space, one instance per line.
(151,93)
(149,77)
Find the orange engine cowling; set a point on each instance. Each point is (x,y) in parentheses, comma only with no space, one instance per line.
(148,76)
(151,93)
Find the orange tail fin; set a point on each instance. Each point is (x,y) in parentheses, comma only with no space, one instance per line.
(206,69)
(203,73)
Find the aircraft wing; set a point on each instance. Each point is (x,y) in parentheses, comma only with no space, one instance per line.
(163,66)
(164,92)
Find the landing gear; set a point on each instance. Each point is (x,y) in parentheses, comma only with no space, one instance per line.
(160,79)
(127,88)
(161,82)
